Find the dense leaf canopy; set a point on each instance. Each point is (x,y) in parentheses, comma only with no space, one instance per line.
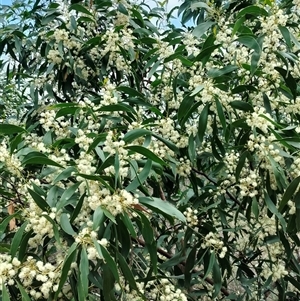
(140,160)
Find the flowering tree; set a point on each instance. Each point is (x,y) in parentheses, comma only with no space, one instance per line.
(141,161)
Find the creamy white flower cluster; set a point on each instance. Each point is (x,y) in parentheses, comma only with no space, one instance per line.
(30,271)
(275,270)
(214,242)
(163,49)
(191,44)
(184,167)
(168,131)
(113,41)
(8,269)
(86,236)
(85,164)
(59,125)
(241,238)
(121,19)
(109,94)
(83,140)
(295,168)
(37,222)
(256,120)
(191,216)
(265,226)
(164,290)
(249,183)
(54,56)
(115,203)
(11,161)
(224,35)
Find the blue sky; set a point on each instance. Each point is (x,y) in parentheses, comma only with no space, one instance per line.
(5,2)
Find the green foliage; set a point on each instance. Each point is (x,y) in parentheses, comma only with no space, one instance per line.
(140,160)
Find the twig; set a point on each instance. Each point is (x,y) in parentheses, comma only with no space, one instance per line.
(168,255)
(11,211)
(162,195)
(214,182)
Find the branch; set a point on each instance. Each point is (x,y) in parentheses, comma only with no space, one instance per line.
(169,255)
(214,182)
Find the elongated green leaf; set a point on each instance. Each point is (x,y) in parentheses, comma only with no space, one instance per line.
(128,223)
(108,162)
(6,221)
(196,5)
(49,18)
(126,271)
(84,273)
(97,140)
(66,225)
(5,294)
(147,230)
(191,148)
(111,263)
(271,206)
(17,240)
(23,245)
(217,277)
(241,105)
(66,267)
(141,177)
(219,72)
(39,200)
(254,61)
(64,174)
(289,80)
(154,69)
(146,152)
(80,8)
(117,108)
(108,283)
(24,295)
(203,123)
(77,208)
(10,129)
(67,195)
(130,91)
(37,158)
(189,112)
(200,30)
(186,103)
(208,267)
(98,218)
(116,170)
(241,164)
(55,228)
(250,42)
(66,111)
(288,194)
(286,35)
(109,215)
(255,208)
(252,10)
(205,54)
(162,207)
(134,134)
(148,234)
(189,265)
(221,114)
(168,143)
(297,204)
(176,259)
